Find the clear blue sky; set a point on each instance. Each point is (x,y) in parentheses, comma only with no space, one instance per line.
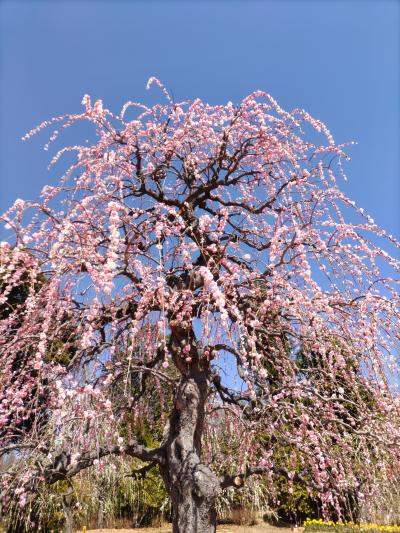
(338,59)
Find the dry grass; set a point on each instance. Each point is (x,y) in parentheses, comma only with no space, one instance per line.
(259,528)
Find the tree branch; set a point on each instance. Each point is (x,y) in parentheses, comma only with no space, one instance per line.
(63,468)
(237,480)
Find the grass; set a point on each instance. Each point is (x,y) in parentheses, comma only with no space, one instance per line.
(258,528)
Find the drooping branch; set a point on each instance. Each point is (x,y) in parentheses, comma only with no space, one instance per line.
(63,467)
(227,395)
(190,233)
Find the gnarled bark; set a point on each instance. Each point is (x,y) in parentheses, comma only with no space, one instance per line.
(192,485)
(68,515)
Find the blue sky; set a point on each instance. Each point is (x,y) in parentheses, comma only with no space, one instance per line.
(338,59)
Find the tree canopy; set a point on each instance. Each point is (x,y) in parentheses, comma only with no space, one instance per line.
(185,244)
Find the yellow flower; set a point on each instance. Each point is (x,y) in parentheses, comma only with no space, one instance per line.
(364,526)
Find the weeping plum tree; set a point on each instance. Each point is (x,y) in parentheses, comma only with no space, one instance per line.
(199,249)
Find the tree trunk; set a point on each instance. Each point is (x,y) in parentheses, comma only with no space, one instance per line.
(69,520)
(100,515)
(192,486)
(100,509)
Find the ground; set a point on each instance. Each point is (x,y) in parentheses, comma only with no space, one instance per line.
(260,528)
